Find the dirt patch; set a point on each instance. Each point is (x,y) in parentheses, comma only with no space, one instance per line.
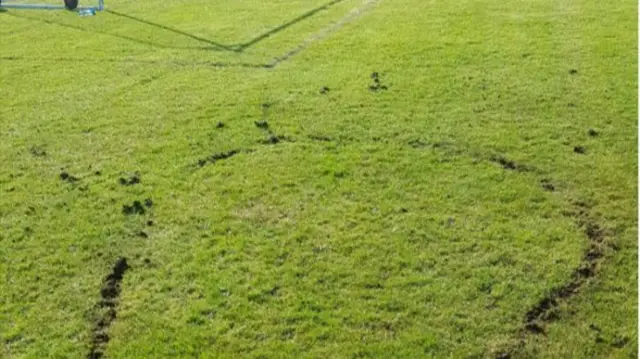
(377,85)
(542,313)
(132,180)
(508,164)
(38,151)
(271,140)
(275,139)
(107,307)
(135,208)
(320,138)
(111,288)
(547,185)
(546,310)
(262,124)
(217,157)
(65,176)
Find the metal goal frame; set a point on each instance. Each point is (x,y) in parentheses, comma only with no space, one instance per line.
(68,5)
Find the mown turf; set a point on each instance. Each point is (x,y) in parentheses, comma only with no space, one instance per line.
(275,198)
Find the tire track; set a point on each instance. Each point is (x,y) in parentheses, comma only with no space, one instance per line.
(107,307)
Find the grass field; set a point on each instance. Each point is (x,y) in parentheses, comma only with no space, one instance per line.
(320,179)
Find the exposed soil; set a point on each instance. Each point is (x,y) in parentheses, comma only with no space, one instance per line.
(275,139)
(271,140)
(38,151)
(547,185)
(509,164)
(320,138)
(110,292)
(135,208)
(377,85)
(65,176)
(546,310)
(217,157)
(262,124)
(111,289)
(133,180)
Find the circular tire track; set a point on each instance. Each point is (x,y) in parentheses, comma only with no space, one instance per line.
(535,319)
(545,310)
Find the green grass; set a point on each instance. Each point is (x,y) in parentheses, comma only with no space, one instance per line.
(381,225)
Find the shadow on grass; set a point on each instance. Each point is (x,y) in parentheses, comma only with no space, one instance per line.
(211,45)
(93,31)
(178,63)
(284,26)
(167,28)
(238,47)
(217,46)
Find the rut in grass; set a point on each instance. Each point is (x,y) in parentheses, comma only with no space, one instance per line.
(107,307)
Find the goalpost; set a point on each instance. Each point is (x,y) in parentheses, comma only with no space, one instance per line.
(72,5)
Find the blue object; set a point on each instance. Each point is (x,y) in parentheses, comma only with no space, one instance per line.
(87,12)
(68,5)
